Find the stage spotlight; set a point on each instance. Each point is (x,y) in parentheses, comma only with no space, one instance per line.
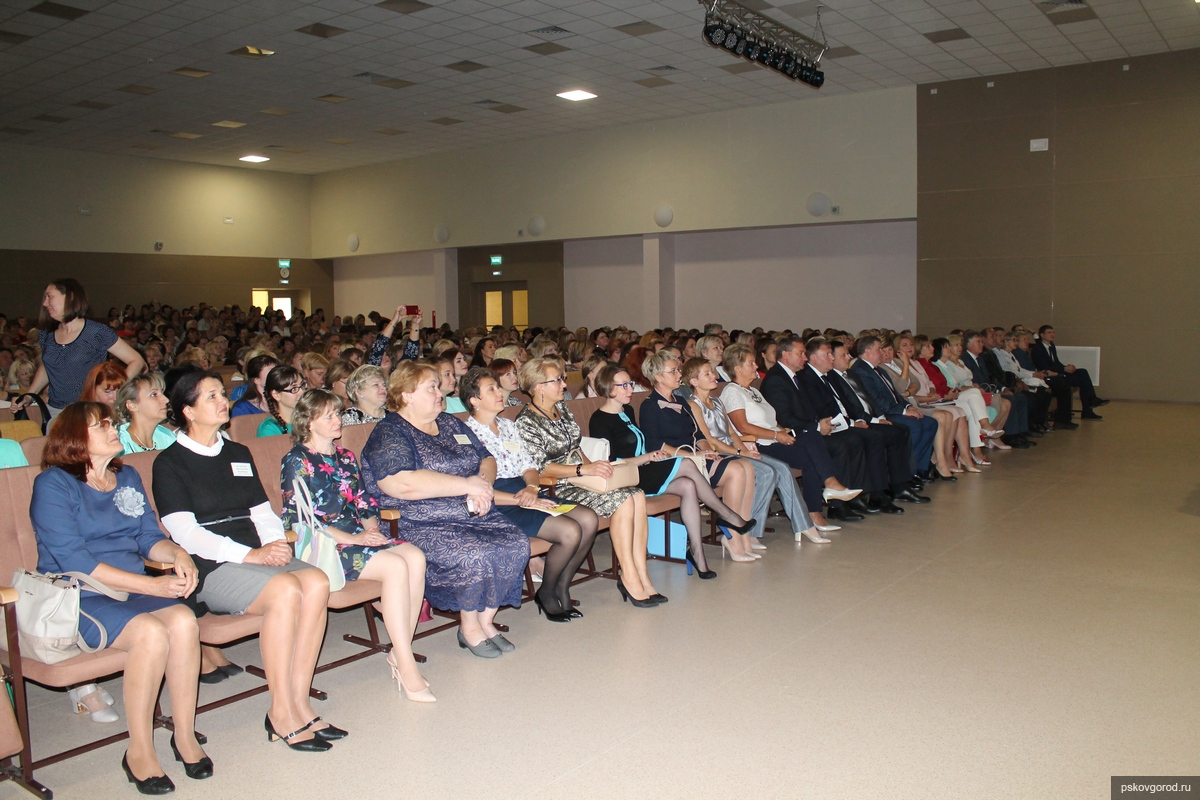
(743,32)
(733,38)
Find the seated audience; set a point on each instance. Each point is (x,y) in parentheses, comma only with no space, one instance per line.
(367,390)
(313,367)
(335,378)
(91,516)
(711,347)
(1000,359)
(885,401)
(447,382)
(551,437)
(208,493)
(988,410)
(283,389)
(1045,358)
(516,490)
(102,383)
(770,474)
(952,420)
(341,506)
(505,373)
(1057,385)
(485,351)
(141,408)
(429,466)
(986,373)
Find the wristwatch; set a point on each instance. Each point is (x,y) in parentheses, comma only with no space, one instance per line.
(578,470)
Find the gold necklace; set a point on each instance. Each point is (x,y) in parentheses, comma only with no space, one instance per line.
(103,487)
(139,442)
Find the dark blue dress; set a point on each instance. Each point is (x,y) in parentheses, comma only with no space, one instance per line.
(472,562)
(79,527)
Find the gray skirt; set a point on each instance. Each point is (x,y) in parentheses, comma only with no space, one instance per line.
(231,588)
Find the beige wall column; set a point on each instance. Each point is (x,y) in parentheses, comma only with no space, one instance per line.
(658,280)
(445,286)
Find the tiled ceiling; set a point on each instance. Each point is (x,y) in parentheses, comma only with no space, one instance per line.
(353,83)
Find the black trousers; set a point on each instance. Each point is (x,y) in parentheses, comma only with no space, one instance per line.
(850,457)
(1062,394)
(809,455)
(1018,416)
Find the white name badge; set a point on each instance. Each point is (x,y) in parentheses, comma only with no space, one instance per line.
(242,469)
(513,446)
(462,438)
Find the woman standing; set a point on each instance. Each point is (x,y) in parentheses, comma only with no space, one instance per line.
(551,436)
(91,516)
(208,493)
(332,478)
(72,345)
(515,488)
(429,466)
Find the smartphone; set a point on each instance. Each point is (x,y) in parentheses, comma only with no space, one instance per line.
(412,311)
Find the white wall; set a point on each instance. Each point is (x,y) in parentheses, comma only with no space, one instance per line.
(382,282)
(602,281)
(854,276)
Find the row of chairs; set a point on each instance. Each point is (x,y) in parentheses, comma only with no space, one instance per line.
(18,550)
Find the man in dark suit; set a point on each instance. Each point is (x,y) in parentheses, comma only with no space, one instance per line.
(1017,423)
(887,402)
(1045,357)
(1060,390)
(888,450)
(994,339)
(779,388)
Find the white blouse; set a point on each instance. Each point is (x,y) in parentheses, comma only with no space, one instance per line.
(758,411)
(511,459)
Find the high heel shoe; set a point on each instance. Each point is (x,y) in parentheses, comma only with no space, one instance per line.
(627,597)
(313,745)
(155,784)
(982,462)
(813,535)
(745,527)
(839,494)
(423,696)
(733,555)
(756,544)
(328,733)
(552,616)
(703,574)
(197,770)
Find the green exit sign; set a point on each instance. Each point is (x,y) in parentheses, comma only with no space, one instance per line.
(497,260)
(285,263)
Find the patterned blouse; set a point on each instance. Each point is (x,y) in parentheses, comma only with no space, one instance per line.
(339,499)
(512,460)
(356,416)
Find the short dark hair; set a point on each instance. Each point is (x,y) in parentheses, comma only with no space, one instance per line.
(812,345)
(75,304)
(468,385)
(788,343)
(1045,328)
(866,342)
(607,377)
(185,390)
(939,345)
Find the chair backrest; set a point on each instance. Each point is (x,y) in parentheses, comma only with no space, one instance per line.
(33,448)
(354,437)
(244,429)
(20,429)
(575,383)
(18,545)
(144,464)
(268,452)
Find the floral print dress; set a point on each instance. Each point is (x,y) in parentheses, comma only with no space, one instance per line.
(339,499)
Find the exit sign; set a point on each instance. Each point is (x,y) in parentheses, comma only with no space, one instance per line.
(285,263)
(497,260)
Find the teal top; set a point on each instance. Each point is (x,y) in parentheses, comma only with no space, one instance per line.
(163,438)
(271,427)
(11,454)
(455,406)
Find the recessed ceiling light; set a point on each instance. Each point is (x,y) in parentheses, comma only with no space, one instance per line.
(254,159)
(229,123)
(576,95)
(251,52)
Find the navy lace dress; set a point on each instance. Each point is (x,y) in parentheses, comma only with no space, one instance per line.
(472,562)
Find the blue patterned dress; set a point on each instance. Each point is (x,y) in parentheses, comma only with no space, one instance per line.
(472,562)
(339,500)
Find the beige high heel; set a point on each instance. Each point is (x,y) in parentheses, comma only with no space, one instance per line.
(423,696)
(735,556)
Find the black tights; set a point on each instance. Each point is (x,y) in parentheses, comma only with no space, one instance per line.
(692,489)
(571,536)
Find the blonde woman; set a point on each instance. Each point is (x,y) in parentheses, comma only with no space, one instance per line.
(551,436)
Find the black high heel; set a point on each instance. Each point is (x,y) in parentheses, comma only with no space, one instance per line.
(313,745)
(329,733)
(744,528)
(156,784)
(703,574)
(198,770)
(553,616)
(626,596)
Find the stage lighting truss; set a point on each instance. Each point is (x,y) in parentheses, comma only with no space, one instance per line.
(741,32)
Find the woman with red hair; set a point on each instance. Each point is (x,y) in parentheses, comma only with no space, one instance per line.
(102,383)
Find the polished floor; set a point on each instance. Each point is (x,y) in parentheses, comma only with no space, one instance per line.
(1029,634)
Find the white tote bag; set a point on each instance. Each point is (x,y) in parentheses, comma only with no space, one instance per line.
(48,614)
(313,545)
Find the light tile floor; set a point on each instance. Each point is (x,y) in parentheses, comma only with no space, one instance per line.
(1029,634)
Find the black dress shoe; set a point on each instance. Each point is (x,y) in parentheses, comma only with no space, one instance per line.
(1035,433)
(156,784)
(231,669)
(1089,414)
(910,497)
(216,676)
(1097,402)
(198,770)
(889,508)
(858,505)
(843,514)
(328,733)
(1015,442)
(1066,426)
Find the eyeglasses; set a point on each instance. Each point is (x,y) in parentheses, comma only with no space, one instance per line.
(296,389)
(675,371)
(559,379)
(103,424)
(625,385)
